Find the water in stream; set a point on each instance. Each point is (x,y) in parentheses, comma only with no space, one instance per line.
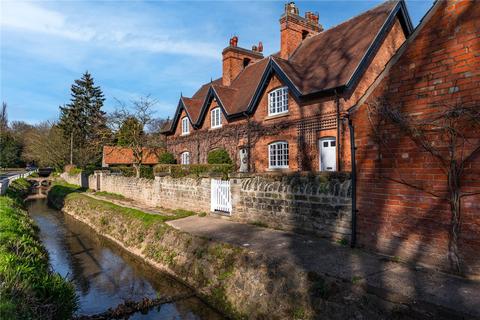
(104,274)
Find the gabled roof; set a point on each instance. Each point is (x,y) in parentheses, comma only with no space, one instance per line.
(331,60)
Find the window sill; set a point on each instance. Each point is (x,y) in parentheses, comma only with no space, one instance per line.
(276,116)
(215,128)
(184,134)
(278,169)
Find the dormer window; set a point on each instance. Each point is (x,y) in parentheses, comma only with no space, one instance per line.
(216,118)
(278,101)
(185,126)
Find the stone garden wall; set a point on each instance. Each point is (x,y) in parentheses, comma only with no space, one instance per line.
(315,203)
(319,203)
(139,189)
(184,193)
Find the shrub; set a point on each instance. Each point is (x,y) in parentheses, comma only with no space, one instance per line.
(180,170)
(219,156)
(145,172)
(73,171)
(166,158)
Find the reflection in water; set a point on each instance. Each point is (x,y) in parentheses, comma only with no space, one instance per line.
(104,274)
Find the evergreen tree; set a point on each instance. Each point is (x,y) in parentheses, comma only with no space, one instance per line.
(83,122)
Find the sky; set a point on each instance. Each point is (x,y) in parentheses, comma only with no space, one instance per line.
(136,48)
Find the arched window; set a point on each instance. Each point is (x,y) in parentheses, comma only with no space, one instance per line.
(278,101)
(185,157)
(185,126)
(278,155)
(216,118)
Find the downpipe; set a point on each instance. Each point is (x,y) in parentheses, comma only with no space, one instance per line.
(353,238)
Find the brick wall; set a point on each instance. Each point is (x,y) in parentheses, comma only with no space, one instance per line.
(318,204)
(439,66)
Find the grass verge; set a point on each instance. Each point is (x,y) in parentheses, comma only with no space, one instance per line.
(110,195)
(29,289)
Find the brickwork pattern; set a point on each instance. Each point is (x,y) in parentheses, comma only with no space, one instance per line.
(440,66)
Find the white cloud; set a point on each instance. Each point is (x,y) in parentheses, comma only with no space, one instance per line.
(32,18)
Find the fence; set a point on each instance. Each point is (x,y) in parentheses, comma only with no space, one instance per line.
(5,182)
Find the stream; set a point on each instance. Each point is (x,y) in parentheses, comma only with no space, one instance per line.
(104,274)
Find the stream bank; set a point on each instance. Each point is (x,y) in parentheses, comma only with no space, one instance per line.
(241,283)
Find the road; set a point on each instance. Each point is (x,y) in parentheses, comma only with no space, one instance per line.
(4,175)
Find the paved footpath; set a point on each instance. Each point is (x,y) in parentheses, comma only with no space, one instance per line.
(392,281)
(389,280)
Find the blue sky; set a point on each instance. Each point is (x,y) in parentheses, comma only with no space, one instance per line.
(134,48)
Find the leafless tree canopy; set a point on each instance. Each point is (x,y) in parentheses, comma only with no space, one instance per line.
(141,116)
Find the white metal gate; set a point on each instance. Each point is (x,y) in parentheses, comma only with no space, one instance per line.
(221,199)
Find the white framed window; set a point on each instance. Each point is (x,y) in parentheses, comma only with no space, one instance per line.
(216,118)
(278,101)
(185,126)
(185,157)
(278,155)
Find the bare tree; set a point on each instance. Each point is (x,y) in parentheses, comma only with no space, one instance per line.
(46,145)
(130,125)
(450,134)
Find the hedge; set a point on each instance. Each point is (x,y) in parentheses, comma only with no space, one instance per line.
(180,170)
(219,156)
(145,172)
(166,158)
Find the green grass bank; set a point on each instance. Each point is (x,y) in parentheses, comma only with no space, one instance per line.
(28,287)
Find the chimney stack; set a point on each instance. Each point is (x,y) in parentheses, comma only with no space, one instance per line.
(235,59)
(294,29)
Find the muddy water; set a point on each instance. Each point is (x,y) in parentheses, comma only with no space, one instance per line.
(103,273)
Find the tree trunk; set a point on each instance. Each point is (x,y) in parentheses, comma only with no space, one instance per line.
(455,208)
(137,169)
(71,148)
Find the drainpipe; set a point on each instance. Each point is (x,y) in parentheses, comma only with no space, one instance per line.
(353,238)
(337,106)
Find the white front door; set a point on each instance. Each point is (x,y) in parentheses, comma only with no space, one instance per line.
(328,155)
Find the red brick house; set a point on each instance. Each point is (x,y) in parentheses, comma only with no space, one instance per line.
(283,112)
(398,212)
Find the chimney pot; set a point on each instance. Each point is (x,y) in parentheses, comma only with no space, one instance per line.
(254,48)
(260,46)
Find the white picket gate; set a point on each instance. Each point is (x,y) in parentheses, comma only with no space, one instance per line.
(221,198)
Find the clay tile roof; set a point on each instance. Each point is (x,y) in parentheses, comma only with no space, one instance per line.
(246,84)
(329,59)
(193,106)
(325,61)
(227,97)
(113,155)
